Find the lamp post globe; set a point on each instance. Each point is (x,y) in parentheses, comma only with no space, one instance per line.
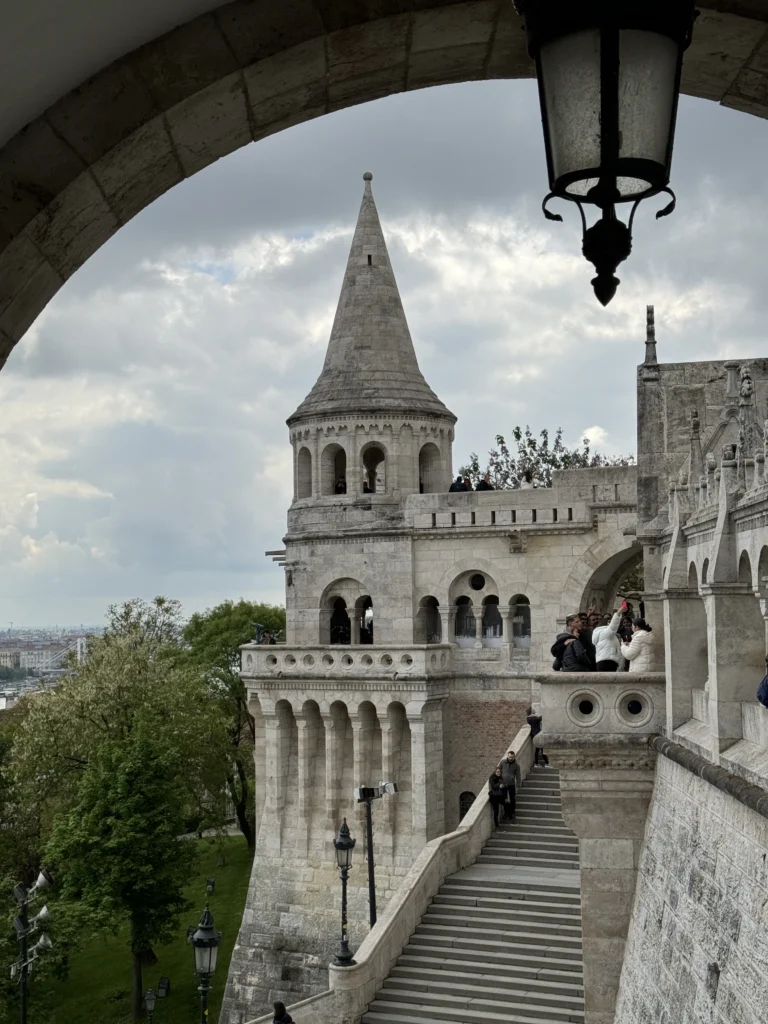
(344,844)
(609,81)
(205,942)
(149,1001)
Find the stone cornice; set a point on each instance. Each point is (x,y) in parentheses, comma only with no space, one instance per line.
(751,796)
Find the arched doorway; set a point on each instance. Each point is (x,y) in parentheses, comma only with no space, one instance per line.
(340,624)
(430,469)
(428,627)
(374,469)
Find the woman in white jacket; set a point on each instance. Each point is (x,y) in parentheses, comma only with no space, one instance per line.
(607,644)
(639,651)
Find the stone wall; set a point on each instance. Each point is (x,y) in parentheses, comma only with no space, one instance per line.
(698,942)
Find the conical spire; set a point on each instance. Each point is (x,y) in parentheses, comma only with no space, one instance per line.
(370,365)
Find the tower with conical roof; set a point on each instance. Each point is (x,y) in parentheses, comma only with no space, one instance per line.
(371,424)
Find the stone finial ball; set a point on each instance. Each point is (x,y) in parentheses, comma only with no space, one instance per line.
(367,176)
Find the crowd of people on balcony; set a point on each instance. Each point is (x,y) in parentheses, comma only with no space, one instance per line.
(593,642)
(463,483)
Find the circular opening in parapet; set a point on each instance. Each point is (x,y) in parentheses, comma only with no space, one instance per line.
(433,660)
(366,660)
(443,659)
(406,661)
(327,660)
(347,660)
(290,661)
(271,660)
(477,582)
(308,660)
(385,660)
(634,708)
(584,707)
(249,660)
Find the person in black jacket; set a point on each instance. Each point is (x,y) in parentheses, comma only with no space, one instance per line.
(578,655)
(281,1014)
(485,484)
(558,647)
(458,484)
(497,794)
(534,721)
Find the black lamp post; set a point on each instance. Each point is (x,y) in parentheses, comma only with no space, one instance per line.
(149,1001)
(344,844)
(609,81)
(24,927)
(205,942)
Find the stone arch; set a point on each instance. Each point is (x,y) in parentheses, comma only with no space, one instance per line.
(461,585)
(336,600)
(431,469)
(304,473)
(493,624)
(373,466)
(520,617)
(120,138)
(466,566)
(427,628)
(466,800)
(745,569)
(693,578)
(598,569)
(333,469)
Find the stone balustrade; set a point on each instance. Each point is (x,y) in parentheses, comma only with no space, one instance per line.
(353,988)
(580,704)
(338,661)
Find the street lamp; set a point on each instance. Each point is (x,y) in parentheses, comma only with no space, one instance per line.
(205,942)
(24,927)
(344,844)
(149,1002)
(609,81)
(366,795)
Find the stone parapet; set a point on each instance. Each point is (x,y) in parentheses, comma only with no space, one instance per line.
(343,661)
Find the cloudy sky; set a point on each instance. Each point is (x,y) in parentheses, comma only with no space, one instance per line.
(143,446)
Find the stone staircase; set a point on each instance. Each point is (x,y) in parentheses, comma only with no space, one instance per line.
(501,942)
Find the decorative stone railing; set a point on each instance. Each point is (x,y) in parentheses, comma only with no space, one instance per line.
(616,704)
(339,660)
(353,988)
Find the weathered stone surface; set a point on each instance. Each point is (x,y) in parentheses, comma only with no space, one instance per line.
(697,941)
(211,124)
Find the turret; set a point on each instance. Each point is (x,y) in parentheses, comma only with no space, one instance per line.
(371,424)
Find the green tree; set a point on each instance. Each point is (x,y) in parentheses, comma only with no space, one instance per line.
(536,455)
(116,853)
(214,638)
(136,674)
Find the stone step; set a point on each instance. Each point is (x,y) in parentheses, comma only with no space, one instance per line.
(533,828)
(504,920)
(382,1011)
(438,931)
(458,905)
(546,817)
(518,890)
(511,840)
(494,1000)
(531,970)
(428,976)
(505,928)
(541,862)
(547,948)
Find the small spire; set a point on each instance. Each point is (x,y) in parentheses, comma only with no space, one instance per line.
(650,336)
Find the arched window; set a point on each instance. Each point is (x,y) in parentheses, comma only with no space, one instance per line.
(333,466)
(521,620)
(430,469)
(493,627)
(428,625)
(304,473)
(364,619)
(465,622)
(745,569)
(340,627)
(374,470)
(465,802)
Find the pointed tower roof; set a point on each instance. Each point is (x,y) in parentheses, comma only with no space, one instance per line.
(370,365)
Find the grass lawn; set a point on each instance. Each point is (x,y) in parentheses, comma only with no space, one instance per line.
(98,989)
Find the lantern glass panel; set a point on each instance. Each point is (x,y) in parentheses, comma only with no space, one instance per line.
(205,959)
(570,73)
(344,857)
(647,86)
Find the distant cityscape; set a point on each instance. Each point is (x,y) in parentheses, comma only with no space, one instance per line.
(34,657)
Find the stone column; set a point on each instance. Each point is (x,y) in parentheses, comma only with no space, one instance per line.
(507,615)
(479,626)
(335,737)
(316,467)
(428,800)
(390,738)
(277,742)
(446,626)
(736,658)
(362,735)
(686,664)
(354,626)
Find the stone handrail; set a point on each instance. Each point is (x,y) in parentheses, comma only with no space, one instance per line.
(353,988)
(340,660)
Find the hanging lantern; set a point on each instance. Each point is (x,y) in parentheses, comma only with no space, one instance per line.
(609,81)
